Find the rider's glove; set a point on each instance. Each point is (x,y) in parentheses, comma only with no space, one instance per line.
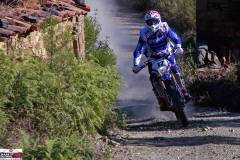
(179,51)
(136,69)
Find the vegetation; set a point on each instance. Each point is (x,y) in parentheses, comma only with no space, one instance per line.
(56,106)
(72,147)
(181,14)
(215,91)
(92,30)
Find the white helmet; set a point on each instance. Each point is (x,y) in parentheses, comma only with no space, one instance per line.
(153,20)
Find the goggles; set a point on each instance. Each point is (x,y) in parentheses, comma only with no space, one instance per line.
(151,22)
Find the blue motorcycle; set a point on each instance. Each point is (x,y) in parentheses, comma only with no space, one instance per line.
(166,88)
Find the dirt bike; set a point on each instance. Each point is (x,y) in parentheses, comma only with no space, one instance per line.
(166,88)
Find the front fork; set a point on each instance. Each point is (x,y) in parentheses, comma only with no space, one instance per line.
(180,81)
(159,89)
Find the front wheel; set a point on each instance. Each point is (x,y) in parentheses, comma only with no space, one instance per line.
(178,104)
(181,116)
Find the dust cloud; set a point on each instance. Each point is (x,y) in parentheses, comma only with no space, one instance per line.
(121,26)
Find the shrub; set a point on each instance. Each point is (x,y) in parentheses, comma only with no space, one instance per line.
(222,93)
(71,96)
(103,55)
(180,13)
(6,78)
(72,147)
(92,30)
(97,51)
(4,121)
(59,98)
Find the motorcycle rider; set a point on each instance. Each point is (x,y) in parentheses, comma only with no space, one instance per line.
(156,40)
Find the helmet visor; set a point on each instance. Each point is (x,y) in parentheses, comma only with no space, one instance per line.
(151,22)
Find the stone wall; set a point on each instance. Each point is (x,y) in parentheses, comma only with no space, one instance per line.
(34,43)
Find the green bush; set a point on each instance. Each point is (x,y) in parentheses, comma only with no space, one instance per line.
(72,147)
(97,51)
(188,67)
(180,13)
(6,78)
(68,97)
(103,55)
(60,99)
(4,121)
(92,30)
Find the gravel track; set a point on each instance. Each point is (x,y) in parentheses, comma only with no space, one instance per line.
(151,134)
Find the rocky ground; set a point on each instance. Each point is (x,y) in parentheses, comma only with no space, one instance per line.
(210,135)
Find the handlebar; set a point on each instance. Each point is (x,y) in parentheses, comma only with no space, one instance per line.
(145,63)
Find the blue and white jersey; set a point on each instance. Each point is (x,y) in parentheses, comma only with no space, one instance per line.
(155,43)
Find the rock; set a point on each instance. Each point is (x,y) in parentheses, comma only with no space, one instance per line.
(114,143)
(206,128)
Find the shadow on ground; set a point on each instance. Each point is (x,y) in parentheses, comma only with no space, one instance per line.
(218,115)
(175,125)
(182,141)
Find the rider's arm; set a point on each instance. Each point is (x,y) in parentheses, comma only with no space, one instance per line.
(174,38)
(137,54)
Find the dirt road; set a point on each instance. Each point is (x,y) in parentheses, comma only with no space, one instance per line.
(210,136)
(154,135)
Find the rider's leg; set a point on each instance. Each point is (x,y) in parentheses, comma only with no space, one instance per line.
(178,76)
